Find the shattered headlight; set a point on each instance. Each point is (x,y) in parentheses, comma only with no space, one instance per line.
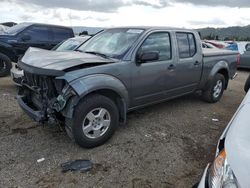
(221,174)
(62,99)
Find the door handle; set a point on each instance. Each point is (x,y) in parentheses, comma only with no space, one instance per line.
(196,63)
(171,67)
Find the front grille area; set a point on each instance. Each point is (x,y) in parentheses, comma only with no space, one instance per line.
(40,93)
(43,85)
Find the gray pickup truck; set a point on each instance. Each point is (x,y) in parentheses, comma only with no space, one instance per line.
(91,90)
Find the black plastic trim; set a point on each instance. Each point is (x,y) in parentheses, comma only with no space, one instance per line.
(36,115)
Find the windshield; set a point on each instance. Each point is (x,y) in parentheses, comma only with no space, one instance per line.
(112,43)
(16,29)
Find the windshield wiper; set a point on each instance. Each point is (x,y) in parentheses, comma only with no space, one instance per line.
(77,50)
(97,53)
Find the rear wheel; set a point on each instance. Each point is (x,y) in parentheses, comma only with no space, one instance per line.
(215,90)
(95,120)
(5,65)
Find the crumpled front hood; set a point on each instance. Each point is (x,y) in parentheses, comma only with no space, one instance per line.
(54,60)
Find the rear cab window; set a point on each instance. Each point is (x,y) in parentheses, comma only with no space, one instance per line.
(186,44)
(60,34)
(160,42)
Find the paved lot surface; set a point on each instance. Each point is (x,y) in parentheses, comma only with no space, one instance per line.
(166,145)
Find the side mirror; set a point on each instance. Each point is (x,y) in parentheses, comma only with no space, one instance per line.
(248,47)
(148,56)
(26,37)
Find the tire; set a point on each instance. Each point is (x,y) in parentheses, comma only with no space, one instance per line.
(247,84)
(215,89)
(91,131)
(5,65)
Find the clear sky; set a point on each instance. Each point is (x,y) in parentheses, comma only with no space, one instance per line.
(108,13)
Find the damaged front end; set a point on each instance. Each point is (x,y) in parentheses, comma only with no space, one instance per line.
(44,97)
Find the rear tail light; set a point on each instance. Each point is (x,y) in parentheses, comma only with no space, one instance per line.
(238,59)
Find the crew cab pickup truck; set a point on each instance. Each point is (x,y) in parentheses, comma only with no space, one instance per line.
(17,39)
(91,90)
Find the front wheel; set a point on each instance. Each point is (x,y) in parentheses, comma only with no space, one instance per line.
(215,90)
(5,65)
(95,120)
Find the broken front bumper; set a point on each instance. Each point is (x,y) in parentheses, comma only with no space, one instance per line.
(16,74)
(37,115)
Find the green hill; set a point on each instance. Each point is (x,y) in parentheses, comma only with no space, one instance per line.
(229,33)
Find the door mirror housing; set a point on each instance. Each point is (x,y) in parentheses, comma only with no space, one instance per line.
(26,37)
(144,57)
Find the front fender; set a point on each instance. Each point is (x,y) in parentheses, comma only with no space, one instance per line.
(91,83)
(85,85)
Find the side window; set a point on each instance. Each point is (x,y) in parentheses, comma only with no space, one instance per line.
(158,42)
(183,45)
(61,34)
(186,45)
(192,44)
(38,33)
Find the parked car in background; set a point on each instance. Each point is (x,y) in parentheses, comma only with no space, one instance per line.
(231,166)
(119,70)
(217,44)
(17,39)
(71,43)
(67,45)
(232,46)
(3,29)
(245,58)
(9,24)
(207,45)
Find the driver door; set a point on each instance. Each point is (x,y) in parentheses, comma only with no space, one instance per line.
(150,78)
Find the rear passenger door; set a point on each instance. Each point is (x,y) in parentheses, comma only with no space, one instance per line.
(60,34)
(189,63)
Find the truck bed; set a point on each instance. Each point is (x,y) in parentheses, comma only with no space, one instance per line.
(215,52)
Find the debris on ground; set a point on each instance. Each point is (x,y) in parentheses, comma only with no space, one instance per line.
(22,130)
(148,135)
(215,120)
(77,165)
(41,160)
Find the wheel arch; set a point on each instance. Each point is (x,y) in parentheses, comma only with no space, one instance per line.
(8,51)
(104,85)
(225,73)
(221,68)
(116,98)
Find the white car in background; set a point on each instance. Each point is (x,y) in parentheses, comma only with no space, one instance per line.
(208,45)
(3,29)
(231,167)
(70,44)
